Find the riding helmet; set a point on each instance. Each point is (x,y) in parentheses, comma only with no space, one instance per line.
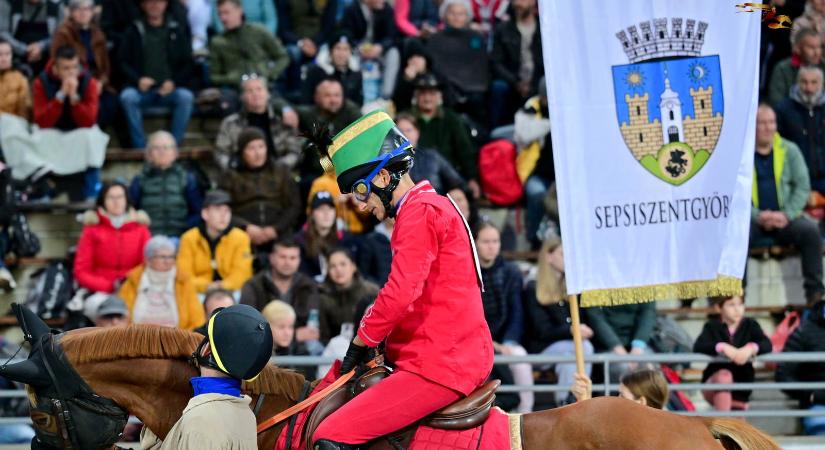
(240,341)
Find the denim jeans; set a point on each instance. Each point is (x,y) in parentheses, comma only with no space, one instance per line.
(534,191)
(16,434)
(133,102)
(814,426)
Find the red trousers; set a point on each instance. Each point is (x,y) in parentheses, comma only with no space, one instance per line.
(392,404)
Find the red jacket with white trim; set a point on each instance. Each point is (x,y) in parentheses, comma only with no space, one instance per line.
(430,309)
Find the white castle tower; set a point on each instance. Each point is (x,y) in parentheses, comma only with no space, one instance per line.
(670,107)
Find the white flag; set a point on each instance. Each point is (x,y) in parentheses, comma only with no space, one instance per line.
(653,106)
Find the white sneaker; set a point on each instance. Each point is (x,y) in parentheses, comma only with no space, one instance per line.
(7,282)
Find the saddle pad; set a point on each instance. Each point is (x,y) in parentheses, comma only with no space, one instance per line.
(494,434)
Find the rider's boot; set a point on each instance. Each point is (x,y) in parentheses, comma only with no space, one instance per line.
(325,444)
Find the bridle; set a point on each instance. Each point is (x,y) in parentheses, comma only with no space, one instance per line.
(67,414)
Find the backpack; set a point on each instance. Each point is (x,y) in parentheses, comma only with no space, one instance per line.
(24,242)
(50,289)
(678,400)
(497,172)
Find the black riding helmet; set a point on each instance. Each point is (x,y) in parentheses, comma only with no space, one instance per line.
(240,341)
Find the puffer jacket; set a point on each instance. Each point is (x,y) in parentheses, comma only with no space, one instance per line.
(190,310)
(228,258)
(105,254)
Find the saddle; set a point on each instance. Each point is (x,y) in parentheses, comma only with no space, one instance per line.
(468,412)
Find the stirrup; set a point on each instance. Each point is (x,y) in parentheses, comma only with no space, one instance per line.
(325,444)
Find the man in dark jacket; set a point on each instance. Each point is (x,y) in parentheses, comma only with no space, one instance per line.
(166,190)
(517,61)
(443,130)
(303,27)
(808,337)
(375,254)
(800,117)
(156,59)
(371,23)
(284,282)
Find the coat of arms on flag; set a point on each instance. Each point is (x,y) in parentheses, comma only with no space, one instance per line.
(669,101)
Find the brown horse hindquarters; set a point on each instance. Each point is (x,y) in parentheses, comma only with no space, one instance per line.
(612,423)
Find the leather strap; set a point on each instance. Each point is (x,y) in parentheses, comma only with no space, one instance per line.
(314,398)
(294,419)
(258,404)
(318,396)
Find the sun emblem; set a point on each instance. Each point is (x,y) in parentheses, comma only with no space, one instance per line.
(634,79)
(697,72)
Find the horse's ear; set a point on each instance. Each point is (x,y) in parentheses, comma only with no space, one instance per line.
(33,326)
(28,372)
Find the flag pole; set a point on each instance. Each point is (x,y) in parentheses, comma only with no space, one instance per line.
(573,301)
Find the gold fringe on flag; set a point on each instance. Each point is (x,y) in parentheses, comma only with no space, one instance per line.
(721,286)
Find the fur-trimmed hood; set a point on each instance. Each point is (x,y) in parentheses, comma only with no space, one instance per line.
(96,216)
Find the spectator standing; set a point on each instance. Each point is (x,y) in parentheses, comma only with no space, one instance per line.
(443,130)
(778,200)
(516,59)
(264,195)
(216,254)
(112,241)
(244,47)
(259,12)
(808,337)
(800,118)
(257,110)
(156,293)
(165,189)
(807,51)
(16,98)
(371,24)
(156,59)
(429,164)
(341,292)
(738,338)
(548,326)
(503,307)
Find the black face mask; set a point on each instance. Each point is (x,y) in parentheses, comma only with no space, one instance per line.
(66,412)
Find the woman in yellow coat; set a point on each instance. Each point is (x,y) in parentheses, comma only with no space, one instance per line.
(156,293)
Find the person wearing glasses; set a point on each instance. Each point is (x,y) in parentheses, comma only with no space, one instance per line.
(156,293)
(435,277)
(166,189)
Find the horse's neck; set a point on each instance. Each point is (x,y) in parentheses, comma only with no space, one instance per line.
(154,390)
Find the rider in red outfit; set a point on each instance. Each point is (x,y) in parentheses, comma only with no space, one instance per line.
(429,312)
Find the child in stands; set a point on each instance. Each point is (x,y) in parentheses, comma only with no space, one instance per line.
(738,338)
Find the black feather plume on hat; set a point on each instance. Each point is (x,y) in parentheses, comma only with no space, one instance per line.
(319,139)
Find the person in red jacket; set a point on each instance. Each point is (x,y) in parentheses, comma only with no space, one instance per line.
(111,243)
(65,95)
(429,312)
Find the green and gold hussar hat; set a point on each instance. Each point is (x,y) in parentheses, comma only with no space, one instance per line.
(365,144)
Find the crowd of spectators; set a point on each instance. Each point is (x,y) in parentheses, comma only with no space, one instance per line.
(273,231)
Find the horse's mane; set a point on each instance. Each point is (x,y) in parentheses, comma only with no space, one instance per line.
(86,346)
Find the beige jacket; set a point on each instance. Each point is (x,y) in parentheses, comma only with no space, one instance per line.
(209,422)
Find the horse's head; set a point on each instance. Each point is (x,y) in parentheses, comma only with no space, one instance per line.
(65,411)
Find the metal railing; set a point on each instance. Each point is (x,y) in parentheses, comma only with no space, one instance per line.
(606,359)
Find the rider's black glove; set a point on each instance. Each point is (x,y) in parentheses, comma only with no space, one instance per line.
(355,355)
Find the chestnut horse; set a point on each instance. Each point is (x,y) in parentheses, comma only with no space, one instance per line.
(146,370)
